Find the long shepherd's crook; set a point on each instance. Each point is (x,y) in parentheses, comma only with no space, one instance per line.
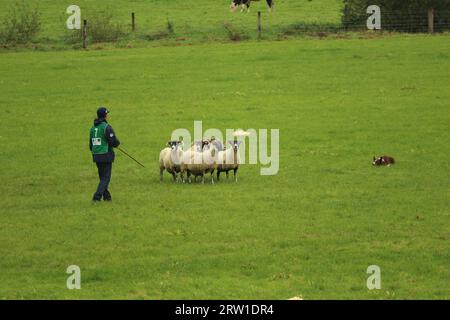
(124,152)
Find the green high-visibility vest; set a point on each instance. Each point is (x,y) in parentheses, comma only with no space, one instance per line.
(98,139)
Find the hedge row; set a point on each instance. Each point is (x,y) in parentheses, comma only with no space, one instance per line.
(398,15)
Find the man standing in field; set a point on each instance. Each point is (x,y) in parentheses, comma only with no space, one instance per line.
(101,143)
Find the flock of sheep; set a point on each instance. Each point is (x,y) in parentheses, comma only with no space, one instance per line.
(201,158)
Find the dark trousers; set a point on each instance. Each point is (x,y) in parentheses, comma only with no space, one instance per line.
(104,173)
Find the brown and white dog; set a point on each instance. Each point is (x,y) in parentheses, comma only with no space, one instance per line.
(245,5)
(383,161)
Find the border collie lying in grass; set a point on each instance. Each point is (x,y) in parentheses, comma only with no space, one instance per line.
(383,161)
(245,4)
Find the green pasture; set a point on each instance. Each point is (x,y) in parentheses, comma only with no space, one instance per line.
(311,230)
(193,22)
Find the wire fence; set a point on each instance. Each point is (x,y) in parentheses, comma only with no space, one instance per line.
(123,25)
(402,21)
(251,25)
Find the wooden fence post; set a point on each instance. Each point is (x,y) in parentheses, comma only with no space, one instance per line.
(133,25)
(84,34)
(259,25)
(431,20)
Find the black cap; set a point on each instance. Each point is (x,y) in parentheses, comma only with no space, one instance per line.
(102,112)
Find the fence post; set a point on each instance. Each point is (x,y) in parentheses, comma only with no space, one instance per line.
(84,34)
(133,25)
(259,25)
(431,20)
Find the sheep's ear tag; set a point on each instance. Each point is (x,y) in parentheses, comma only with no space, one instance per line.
(230,142)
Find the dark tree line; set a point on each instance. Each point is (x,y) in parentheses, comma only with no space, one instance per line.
(398,15)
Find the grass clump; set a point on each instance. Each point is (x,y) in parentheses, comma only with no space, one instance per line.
(233,33)
(162,34)
(21,24)
(100,28)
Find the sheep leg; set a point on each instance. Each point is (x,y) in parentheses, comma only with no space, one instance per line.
(227,174)
(235,174)
(218,175)
(174,175)
(203,178)
(181,176)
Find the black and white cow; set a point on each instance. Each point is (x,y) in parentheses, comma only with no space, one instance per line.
(245,4)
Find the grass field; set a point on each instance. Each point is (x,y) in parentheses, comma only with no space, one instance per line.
(201,22)
(310,231)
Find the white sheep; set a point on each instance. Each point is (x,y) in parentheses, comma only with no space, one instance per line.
(229,160)
(198,145)
(198,163)
(210,159)
(192,160)
(170,159)
(217,143)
